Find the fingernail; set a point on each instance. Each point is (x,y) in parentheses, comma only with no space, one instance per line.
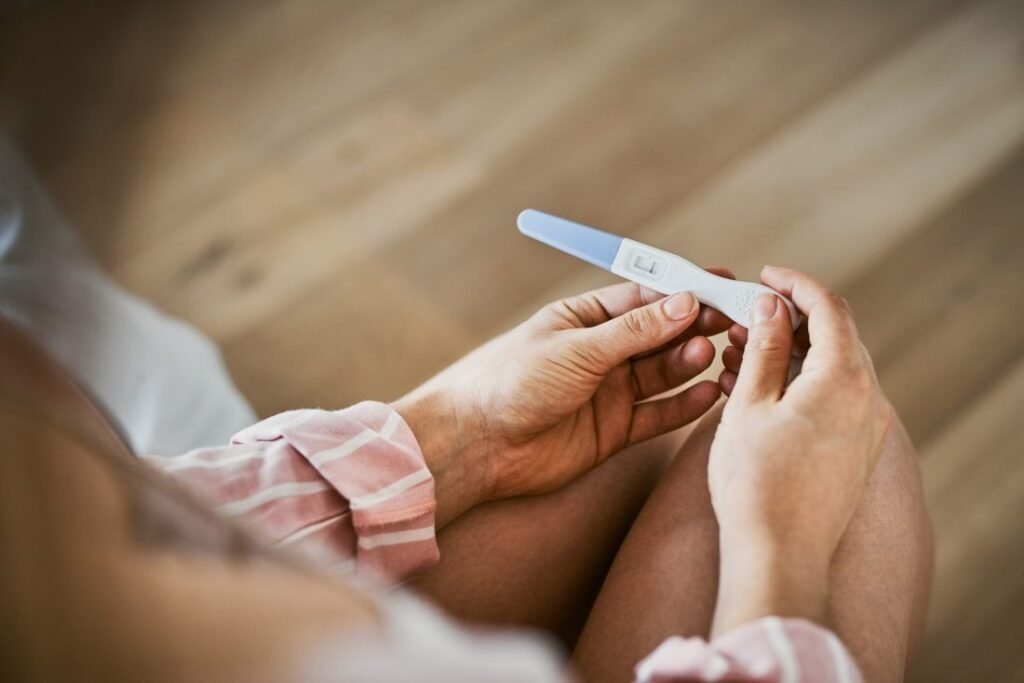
(765,308)
(680,306)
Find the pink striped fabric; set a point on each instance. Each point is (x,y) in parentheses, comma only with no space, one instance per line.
(349,487)
(769,650)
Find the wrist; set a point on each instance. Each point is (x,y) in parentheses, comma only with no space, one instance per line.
(451,450)
(759,577)
(773,530)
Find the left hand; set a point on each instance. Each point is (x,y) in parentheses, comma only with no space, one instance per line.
(537,407)
(789,464)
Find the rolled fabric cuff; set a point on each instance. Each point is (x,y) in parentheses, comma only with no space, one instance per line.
(369,455)
(768,650)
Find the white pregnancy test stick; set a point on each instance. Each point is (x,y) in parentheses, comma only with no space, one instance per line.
(660,270)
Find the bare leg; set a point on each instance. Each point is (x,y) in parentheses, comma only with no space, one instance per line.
(664,580)
(539,562)
(881,574)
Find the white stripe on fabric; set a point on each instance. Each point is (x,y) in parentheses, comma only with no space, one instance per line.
(391,490)
(779,640)
(346,449)
(390,424)
(186,463)
(397,537)
(271,493)
(309,530)
(840,658)
(359,440)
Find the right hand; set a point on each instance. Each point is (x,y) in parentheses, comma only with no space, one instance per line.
(543,404)
(789,464)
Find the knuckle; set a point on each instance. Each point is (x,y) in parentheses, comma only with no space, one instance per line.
(846,310)
(860,380)
(838,303)
(767,345)
(639,323)
(576,311)
(557,313)
(560,307)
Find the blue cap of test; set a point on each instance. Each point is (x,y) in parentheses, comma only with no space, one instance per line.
(586,243)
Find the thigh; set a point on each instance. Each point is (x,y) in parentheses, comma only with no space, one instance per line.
(664,581)
(540,561)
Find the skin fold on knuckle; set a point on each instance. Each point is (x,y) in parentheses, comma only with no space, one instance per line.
(563,313)
(842,305)
(860,380)
(766,345)
(843,308)
(640,324)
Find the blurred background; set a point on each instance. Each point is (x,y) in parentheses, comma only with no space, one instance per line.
(329,190)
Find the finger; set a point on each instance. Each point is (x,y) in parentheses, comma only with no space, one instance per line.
(721,271)
(801,341)
(654,418)
(727,381)
(665,371)
(738,336)
(732,358)
(738,339)
(601,305)
(636,331)
(766,356)
(830,325)
(710,322)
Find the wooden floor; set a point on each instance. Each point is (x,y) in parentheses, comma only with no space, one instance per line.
(329,189)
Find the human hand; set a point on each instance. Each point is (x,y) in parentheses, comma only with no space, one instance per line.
(788,464)
(546,402)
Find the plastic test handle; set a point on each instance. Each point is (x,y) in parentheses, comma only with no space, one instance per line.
(668,273)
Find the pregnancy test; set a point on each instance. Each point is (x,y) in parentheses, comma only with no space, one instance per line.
(659,270)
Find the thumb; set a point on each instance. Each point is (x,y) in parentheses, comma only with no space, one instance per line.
(766,356)
(641,329)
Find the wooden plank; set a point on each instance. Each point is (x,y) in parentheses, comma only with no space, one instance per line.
(366,334)
(844,183)
(379,172)
(281,235)
(941,312)
(847,181)
(243,80)
(975,489)
(627,148)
